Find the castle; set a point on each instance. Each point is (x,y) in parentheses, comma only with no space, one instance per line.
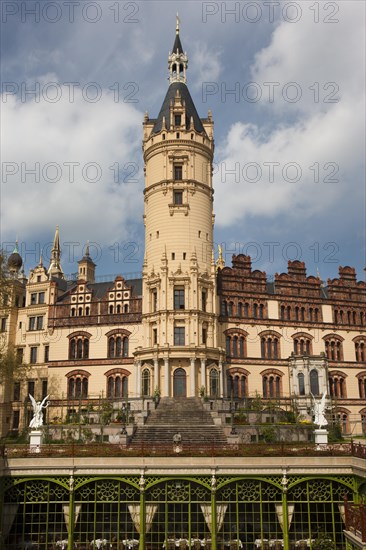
(190,327)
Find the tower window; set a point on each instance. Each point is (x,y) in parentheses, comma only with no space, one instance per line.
(179,339)
(178,298)
(173,255)
(184,255)
(155,336)
(178,135)
(178,171)
(177,120)
(178,197)
(163,136)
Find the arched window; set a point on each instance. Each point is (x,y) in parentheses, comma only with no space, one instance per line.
(125,308)
(240,309)
(333,347)
(117,345)
(246,309)
(117,383)
(270,348)
(301,382)
(235,341)
(145,381)
(224,308)
(363,421)
(302,344)
(272,383)
(337,384)
(230,311)
(362,384)
(237,382)
(79,345)
(342,418)
(77,384)
(255,311)
(314,382)
(360,349)
(214,383)
(111,309)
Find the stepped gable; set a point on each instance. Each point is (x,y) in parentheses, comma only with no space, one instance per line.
(184,415)
(296,283)
(240,276)
(346,287)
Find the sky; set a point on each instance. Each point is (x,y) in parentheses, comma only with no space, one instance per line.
(285,82)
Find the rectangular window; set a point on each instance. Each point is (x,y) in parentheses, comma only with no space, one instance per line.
(155,336)
(31,387)
(33,298)
(16,415)
(154,300)
(46,354)
(179,336)
(40,323)
(178,172)
(204,336)
(16,391)
(178,198)
(178,298)
(44,388)
(33,355)
(3,324)
(32,323)
(20,355)
(41,297)
(177,120)
(204,300)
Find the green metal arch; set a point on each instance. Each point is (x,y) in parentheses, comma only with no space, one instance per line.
(207,485)
(326,478)
(18,481)
(252,478)
(103,478)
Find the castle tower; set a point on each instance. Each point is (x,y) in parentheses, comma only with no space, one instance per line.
(179,353)
(86,267)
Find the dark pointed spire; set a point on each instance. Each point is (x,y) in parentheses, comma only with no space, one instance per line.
(177,48)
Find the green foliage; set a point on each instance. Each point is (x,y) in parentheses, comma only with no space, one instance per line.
(335,433)
(269,434)
(323,541)
(12,369)
(106,413)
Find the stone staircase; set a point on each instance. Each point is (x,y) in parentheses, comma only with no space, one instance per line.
(183,415)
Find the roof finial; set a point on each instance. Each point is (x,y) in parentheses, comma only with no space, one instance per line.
(178,23)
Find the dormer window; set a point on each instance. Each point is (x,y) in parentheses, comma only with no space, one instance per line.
(177,120)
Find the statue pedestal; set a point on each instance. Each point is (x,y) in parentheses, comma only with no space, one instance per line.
(35,441)
(321,438)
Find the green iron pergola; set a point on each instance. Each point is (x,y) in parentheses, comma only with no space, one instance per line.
(153,509)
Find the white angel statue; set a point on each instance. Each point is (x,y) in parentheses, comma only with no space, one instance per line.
(38,406)
(319,410)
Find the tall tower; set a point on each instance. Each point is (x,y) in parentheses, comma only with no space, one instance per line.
(179,355)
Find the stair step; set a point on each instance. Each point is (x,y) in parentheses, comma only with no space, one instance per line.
(185,416)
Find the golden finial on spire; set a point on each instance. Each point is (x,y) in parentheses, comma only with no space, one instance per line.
(178,22)
(220,264)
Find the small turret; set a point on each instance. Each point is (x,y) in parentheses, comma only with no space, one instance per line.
(86,267)
(55,269)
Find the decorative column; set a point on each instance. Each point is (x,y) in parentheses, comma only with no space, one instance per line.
(193,376)
(156,374)
(166,378)
(284,483)
(213,512)
(203,373)
(138,379)
(142,512)
(222,380)
(70,545)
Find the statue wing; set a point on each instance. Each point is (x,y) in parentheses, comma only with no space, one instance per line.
(33,401)
(44,401)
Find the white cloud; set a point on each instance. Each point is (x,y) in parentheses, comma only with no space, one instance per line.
(306,133)
(104,133)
